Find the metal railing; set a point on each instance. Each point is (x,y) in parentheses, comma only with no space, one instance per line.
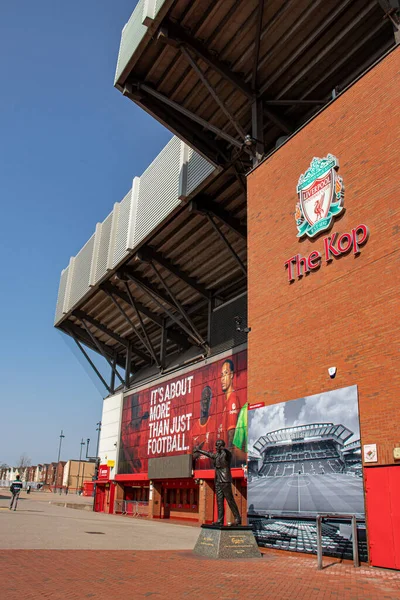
(131,508)
(354,536)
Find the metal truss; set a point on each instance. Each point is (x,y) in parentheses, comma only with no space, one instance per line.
(148,254)
(204,205)
(161,300)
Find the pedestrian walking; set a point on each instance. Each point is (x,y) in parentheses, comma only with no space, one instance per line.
(15,489)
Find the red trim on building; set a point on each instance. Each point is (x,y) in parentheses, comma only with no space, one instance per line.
(132,477)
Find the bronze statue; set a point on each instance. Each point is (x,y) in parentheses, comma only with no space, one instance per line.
(223,480)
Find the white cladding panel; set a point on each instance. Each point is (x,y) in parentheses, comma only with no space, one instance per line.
(110,430)
(132,34)
(61,296)
(158,191)
(81,276)
(104,245)
(121,233)
(175,173)
(198,169)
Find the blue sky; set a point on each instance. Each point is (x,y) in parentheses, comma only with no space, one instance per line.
(70,146)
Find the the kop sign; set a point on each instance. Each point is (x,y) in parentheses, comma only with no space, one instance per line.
(321,193)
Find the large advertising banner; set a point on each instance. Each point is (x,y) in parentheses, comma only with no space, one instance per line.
(197,407)
(306,460)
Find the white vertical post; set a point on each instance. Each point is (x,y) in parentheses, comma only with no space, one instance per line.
(149,12)
(113,234)
(95,255)
(183,171)
(132,213)
(319,541)
(354,535)
(68,287)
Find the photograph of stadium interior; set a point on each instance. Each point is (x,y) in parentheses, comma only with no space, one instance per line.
(303,463)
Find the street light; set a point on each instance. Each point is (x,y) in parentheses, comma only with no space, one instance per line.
(62,436)
(98,429)
(79,466)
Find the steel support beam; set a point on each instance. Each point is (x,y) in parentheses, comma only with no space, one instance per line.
(280,122)
(295,102)
(112,377)
(173,317)
(257,43)
(173,34)
(227,243)
(128,365)
(391,8)
(121,294)
(124,342)
(173,335)
(97,343)
(179,307)
(91,363)
(79,314)
(147,254)
(130,322)
(184,111)
(186,130)
(143,283)
(257,127)
(75,331)
(205,206)
(149,345)
(203,78)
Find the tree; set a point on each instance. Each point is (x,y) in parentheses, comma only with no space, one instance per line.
(23,463)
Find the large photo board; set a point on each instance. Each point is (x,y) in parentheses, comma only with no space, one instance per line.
(305,460)
(174,416)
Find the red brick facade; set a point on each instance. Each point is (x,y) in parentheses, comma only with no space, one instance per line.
(344,314)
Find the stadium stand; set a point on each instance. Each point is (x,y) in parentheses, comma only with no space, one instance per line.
(300,536)
(308,449)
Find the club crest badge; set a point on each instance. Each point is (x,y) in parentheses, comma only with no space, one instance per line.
(321,191)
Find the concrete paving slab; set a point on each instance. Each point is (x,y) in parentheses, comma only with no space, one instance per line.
(42,525)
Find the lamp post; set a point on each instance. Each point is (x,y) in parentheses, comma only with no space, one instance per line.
(83,468)
(98,429)
(62,436)
(79,466)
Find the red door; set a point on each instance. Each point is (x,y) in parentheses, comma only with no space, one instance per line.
(382,486)
(99,499)
(111,498)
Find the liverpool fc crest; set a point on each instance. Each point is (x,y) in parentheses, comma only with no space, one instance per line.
(320,190)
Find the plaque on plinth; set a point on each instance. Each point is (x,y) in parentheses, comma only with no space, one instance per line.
(219,541)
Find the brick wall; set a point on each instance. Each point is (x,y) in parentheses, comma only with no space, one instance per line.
(346,313)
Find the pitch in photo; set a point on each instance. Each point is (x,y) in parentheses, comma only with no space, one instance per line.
(304,460)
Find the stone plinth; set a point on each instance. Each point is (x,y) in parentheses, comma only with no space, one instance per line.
(217,541)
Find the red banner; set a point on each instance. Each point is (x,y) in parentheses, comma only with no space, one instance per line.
(195,408)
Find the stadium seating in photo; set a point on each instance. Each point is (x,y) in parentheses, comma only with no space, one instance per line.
(306,457)
(300,467)
(306,494)
(300,536)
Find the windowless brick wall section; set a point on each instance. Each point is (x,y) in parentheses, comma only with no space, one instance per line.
(346,313)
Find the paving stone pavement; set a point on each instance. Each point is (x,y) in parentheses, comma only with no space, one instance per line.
(167,570)
(105,575)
